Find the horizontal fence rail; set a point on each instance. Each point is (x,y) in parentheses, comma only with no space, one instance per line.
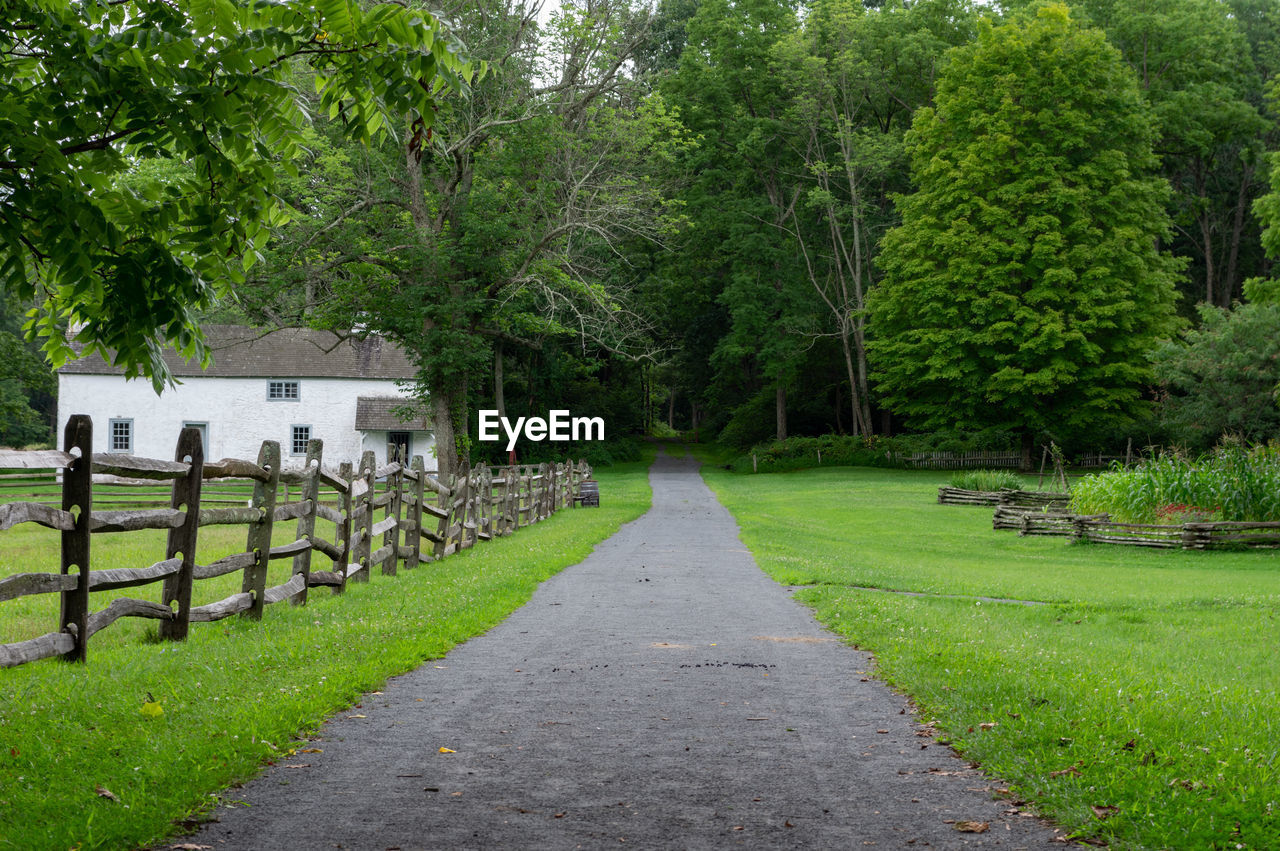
(1101,529)
(374,517)
(1044,500)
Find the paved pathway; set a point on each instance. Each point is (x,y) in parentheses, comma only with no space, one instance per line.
(664,693)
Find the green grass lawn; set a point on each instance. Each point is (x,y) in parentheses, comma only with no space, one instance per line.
(1138,707)
(236,694)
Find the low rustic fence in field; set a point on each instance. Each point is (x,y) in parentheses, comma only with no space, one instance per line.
(475,505)
(1100,528)
(1007,496)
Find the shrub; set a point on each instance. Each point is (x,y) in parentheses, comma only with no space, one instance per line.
(986,480)
(835,450)
(1231,483)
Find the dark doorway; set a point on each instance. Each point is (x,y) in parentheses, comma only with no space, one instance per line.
(398,445)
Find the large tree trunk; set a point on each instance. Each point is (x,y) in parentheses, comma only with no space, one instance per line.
(499,398)
(864,391)
(446,436)
(1028,443)
(781,400)
(671,409)
(1230,284)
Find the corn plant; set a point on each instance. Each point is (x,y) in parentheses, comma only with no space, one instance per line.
(1230,483)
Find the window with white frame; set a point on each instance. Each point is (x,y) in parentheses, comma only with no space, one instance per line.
(282,391)
(301,437)
(203,428)
(120,436)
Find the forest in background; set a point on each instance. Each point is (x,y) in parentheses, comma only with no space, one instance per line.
(759,218)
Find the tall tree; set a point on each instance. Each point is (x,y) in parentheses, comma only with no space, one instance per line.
(1196,70)
(28,388)
(90,89)
(855,77)
(503,224)
(1221,378)
(741,195)
(1023,289)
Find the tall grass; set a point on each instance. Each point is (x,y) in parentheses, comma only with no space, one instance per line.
(1231,483)
(985,480)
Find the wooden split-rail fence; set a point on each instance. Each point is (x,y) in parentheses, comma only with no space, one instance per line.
(1044,500)
(1101,529)
(422,520)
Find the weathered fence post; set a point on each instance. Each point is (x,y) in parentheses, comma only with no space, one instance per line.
(310,490)
(343,533)
(259,543)
(413,534)
(363,548)
(182,541)
(510,499)
(444,499)
(391,538)
(462,504)
(544,471)
(77,498)
(486,503)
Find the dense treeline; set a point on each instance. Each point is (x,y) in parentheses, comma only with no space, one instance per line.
(745,218)
(833,223)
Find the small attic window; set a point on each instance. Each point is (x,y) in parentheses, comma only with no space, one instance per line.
(282,391)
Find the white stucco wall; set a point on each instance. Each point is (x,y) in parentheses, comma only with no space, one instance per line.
(238,412)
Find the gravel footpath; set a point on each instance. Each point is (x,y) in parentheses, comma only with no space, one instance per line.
(664,693)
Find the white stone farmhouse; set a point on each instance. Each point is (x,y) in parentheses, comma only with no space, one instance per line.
(289,385)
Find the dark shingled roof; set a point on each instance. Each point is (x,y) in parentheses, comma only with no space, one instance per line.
(373,413)
(240,352)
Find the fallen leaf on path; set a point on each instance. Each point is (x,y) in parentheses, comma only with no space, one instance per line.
(191,846)
(972,826)
(151,710)
(447,750)
(357,716)
(311,750)
(1104,813)
(104,792)
(297,765)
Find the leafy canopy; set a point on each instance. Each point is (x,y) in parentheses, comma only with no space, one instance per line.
(1023,289)
(141,143)
(1221,378)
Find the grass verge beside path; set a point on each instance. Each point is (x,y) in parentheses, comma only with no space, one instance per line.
(82,765)
(1138,707)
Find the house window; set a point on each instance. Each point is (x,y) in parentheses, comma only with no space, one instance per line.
(301,437)
(204,433)
(286,391)
(121,436)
